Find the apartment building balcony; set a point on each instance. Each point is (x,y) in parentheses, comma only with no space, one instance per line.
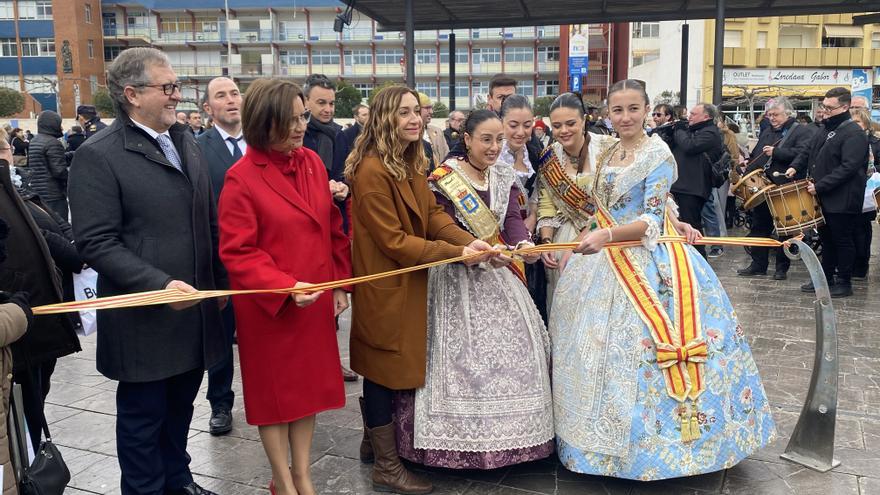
(251,37)
(819,57)
(519,67)
(486,68)
(357,70)
(134,36)
(735,57)
(192,71)
(294,70)
(549,66)
(329,70)
(547,32)
(357,34)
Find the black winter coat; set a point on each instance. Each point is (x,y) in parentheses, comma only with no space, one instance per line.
(798,142)
(29,267)
(838,163)
(46,162)
(696,148)
(141,223)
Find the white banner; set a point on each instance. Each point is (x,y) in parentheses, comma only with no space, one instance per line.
(787,77)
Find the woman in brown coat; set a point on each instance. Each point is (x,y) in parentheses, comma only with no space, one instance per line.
(396,223)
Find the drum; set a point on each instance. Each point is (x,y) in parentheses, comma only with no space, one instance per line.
(751,189)
(794,209)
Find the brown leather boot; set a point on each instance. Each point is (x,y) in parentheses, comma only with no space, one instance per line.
(366,448)
(389,475)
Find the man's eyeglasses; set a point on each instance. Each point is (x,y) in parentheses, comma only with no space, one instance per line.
(658,114)
(168,88)
(831,109)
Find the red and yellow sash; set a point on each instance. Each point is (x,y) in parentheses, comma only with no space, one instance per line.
(681,350)
(564,187)
(476,214)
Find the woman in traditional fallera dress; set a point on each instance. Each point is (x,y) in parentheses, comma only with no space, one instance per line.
(563,209)
(652,375)
(486,402)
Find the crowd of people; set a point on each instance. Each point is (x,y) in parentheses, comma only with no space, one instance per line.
(625,362)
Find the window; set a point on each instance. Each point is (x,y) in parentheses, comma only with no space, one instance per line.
(389,56)
(325,57)
(27,10)
(8,48)
(480,87)
(44,9)
(361,57)
(733,39)
(88,13)
(461,55)
(461,89)
(207,25)
(548,54)
(487,55)
(875,41)
(47,47)
(525,88)
(645,58)
(761,40)
(841,42)
(6,10)
(91,49)
(519,54)
(364,88)
(30,47)
(176,25)
(426,56)
(548,88)
(646,30)
(429,88)
(293,57)
(111,52)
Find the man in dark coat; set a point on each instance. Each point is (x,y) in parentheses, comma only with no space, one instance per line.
(144,219)
(837,163)
(698,145)
(88,118)
(321,137)
(30,268)
(47,164)
(222,146)
(777,147)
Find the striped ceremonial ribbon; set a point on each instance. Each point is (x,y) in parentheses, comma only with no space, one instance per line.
(167,296)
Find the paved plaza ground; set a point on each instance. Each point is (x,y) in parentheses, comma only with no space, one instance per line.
(779,323)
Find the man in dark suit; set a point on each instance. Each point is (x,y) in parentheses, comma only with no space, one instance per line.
(144,219)
(837,163)
(776,149)
(222,146)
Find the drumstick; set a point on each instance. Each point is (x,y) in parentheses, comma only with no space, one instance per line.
(753,160)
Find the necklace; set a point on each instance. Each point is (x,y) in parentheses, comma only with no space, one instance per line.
(623,150)
(481,171)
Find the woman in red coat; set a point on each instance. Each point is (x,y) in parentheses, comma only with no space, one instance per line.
(278,228)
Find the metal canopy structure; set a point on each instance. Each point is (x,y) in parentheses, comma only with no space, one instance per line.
(461,14)
(412,15)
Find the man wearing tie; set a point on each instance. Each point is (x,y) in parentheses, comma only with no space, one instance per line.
(222,146)
(144,219)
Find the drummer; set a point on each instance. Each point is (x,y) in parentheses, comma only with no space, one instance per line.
(778,145)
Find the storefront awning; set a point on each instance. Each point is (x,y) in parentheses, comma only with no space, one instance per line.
(844,32)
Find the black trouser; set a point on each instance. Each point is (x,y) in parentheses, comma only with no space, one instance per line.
(59,206)
(730,211)
(838,246)
(862,239)
(35,382)
(378,404)
(762,226)
(690,211)
(537,284)
(220,393)
(152,427)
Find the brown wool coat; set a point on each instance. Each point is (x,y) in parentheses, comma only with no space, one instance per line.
(396,224)
(13,324)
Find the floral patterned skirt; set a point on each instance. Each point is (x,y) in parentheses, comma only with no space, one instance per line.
(733,413)
(404,407)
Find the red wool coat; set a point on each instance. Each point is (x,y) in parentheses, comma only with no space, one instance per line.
(276,230)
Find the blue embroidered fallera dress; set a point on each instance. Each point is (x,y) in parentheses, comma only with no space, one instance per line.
(613,415)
